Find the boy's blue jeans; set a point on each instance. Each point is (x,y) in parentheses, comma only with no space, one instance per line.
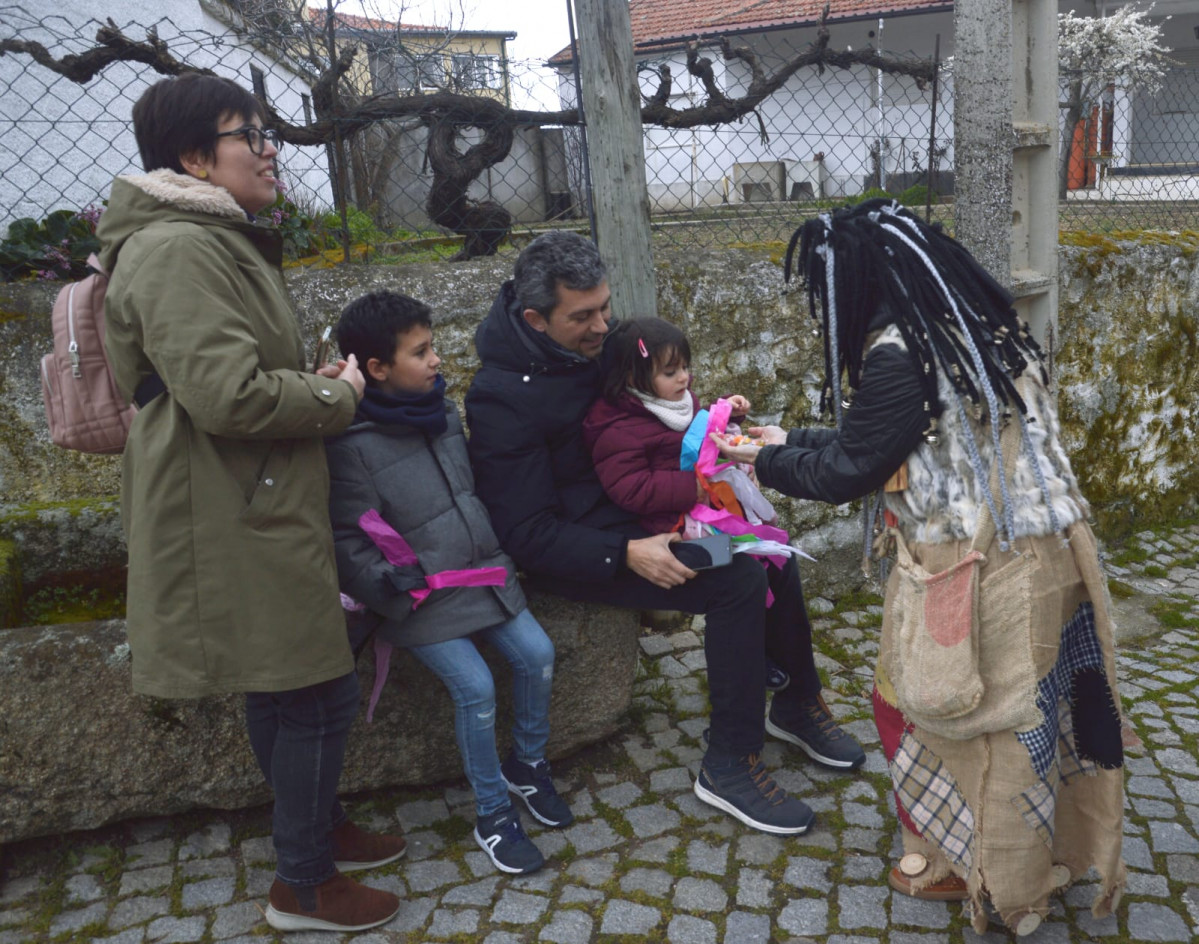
(459,665)
(299,739)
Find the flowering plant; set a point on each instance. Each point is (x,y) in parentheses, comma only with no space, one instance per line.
(54,248)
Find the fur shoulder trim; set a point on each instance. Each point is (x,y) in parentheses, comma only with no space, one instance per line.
(187,193)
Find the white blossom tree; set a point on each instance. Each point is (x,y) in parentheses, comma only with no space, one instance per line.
(1095,53)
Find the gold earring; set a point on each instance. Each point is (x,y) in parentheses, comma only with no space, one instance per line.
(202,174)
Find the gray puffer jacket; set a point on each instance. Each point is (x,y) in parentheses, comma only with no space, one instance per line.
(423,488)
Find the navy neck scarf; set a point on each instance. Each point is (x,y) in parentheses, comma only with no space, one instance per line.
(423,411)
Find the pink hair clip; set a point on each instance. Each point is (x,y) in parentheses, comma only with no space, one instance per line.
(641,348)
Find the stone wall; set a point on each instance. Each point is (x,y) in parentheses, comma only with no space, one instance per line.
(78,749)
(1125,357)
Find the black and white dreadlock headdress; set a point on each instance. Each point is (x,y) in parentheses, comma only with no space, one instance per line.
(876,264)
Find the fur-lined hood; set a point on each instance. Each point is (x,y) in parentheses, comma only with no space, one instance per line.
(163,195)
(943,498)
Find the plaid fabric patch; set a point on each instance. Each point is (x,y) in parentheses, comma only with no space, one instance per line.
(1080,650)
(931,796)
(1037,805)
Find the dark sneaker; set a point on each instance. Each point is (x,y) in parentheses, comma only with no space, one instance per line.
(810,727)
(776,678)
(502,837)
(355,848)
(745,790)
(532,783)
(338,904)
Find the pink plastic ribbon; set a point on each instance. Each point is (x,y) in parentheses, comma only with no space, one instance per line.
(718,421)
(399,552)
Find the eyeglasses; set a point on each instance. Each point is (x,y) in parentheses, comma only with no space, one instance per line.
(255,137)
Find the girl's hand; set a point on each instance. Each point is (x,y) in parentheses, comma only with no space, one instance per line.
(739,404)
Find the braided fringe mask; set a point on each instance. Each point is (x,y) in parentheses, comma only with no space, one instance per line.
(875,264)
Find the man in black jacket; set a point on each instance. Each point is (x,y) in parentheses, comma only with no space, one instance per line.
(540,348)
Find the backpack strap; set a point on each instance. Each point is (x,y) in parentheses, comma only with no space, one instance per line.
(148,389)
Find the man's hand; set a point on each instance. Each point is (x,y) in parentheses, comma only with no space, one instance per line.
(651,558)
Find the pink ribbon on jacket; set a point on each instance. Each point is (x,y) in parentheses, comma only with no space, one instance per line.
(399,552)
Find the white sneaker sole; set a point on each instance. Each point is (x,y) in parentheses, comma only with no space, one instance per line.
(359,866)
(713,800)
(518,792)
(784,735)
(511,870)
(285,921)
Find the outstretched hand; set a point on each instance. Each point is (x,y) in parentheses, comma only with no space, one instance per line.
(748,452)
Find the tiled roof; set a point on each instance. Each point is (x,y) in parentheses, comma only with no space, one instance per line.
(349,21)
(658,21)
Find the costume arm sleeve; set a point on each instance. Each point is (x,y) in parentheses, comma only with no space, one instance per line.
(879,431)
(513,470)
(191,301)
(361,566)
(624,471)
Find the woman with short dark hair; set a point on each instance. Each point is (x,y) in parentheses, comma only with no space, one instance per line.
(232,583)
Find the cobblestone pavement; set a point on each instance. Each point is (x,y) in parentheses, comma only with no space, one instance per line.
(645,860)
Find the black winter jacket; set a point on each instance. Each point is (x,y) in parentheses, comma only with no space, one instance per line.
(525,410)
(879,431)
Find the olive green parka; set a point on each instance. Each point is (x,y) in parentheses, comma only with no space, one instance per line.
(224,496)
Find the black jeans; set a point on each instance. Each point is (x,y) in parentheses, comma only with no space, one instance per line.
(299,739)
(739,631)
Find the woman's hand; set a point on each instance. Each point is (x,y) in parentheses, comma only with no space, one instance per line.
(748,452)
(740,405)
(770,435)
(346,370)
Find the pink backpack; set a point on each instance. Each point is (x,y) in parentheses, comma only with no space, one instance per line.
(84,408)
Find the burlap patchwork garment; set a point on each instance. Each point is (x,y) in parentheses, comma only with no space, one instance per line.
(1050,795)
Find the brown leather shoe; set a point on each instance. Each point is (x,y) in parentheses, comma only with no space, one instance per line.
(341,904)
(950,888)
(354,848)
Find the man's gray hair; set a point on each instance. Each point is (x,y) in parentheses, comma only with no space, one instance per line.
(553,258)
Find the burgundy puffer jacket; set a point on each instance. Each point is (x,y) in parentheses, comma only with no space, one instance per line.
(636,457)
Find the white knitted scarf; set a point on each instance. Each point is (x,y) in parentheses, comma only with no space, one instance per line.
(674,414)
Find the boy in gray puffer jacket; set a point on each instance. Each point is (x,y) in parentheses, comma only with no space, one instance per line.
(404,457)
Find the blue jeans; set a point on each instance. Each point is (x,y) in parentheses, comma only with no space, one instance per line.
(299,739)
(459,665)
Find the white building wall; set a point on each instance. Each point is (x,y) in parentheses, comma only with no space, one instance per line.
(62,143)
(836,115)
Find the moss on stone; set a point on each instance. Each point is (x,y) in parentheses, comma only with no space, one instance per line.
(10,584)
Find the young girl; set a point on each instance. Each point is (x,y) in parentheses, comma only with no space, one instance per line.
(635,430)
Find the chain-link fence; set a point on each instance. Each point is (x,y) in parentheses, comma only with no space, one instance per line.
(436,143)
(828,134)
(1131,161)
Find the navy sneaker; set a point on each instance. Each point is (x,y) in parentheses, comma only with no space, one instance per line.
(502,837)
(745,790)
(776,678)
(810,726)
(532,783)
